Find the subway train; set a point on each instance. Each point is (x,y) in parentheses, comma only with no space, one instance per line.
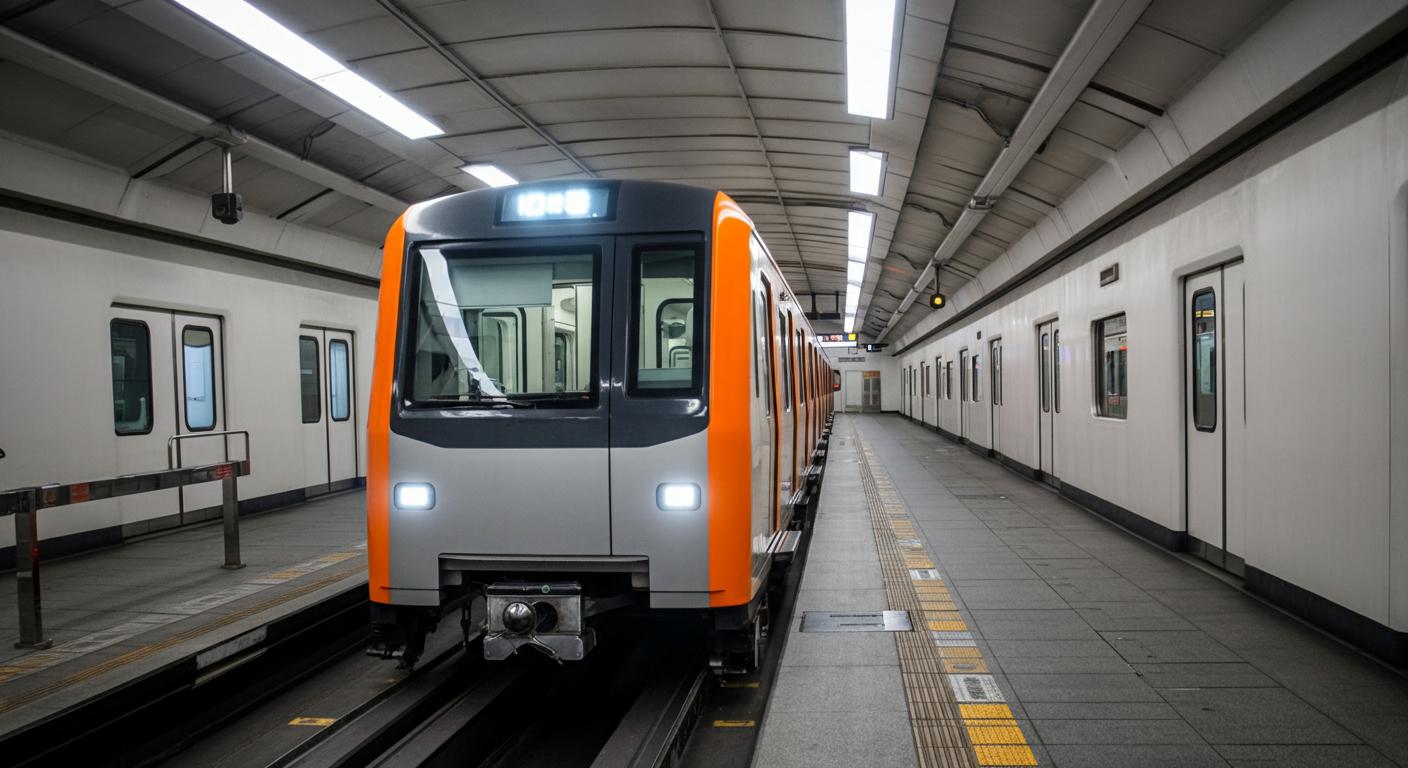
(1224,372)
(128,340)
(586,397)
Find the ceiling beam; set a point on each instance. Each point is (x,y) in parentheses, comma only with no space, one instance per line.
(762,145)
(53,63)
(451,58)
(1100,32)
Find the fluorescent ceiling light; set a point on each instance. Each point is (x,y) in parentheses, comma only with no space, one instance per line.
(859,225)
(490,174)
(850,323)
(855,272)
(867,171)
(276,41)
(870,35)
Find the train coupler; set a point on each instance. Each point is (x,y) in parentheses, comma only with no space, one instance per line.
(548,617)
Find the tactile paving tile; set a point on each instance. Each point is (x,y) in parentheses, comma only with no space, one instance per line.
(942,669)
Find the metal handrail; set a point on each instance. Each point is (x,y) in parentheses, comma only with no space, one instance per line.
(25,503)
(173,456)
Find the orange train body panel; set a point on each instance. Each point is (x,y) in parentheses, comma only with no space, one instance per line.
(379,417)
(730,439)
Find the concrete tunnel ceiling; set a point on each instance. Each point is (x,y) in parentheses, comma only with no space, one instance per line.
(744,96)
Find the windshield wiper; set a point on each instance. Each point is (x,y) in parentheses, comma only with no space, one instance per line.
(481,401)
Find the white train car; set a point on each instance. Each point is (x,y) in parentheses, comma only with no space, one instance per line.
(113,342)
(1240,390)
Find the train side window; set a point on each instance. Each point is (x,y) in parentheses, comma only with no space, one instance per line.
(1056,367)
(1112,395)
(1205,360)
(786,361)
(977,390)
(308,389)
(131,348)
(339,381)
(948,380)
(198,368)
(668,288)
(753,321)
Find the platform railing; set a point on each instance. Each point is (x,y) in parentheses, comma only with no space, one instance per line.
(25,504)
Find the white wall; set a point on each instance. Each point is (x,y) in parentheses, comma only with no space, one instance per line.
(887,365)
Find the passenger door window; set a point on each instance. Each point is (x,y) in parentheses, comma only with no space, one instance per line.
(310,393)
(131,351)
(667,284)
(198,358)
(339,389)
(1205,360)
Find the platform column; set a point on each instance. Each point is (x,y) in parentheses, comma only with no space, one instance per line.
(230,491)
(27,574)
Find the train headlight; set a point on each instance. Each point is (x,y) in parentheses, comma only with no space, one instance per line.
(415,496)
(677,496)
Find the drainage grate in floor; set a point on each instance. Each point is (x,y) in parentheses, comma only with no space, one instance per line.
(856,621)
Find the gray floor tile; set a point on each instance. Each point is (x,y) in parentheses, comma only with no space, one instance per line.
(1089,687)
(1305,756)
(1254,716)
(1168,646)
(1115,732)
(843,689)
(1204,675)
(1142,756)
(824,740)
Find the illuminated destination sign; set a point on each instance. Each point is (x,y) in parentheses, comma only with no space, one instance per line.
(556,203)
(826,338)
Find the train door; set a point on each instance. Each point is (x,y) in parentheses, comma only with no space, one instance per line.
(923,392)
(854,391)
(143,402)
(327,409)
(198,345)
(962,392)
(764,383)
(995,396)
(1216,418)
(1049,394)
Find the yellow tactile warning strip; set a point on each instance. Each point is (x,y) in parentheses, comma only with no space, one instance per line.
(958,713)
(214,623)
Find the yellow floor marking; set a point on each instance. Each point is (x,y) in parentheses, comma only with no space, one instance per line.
(936,605)
(947,626)
(983,712)
(739,684)
(320,722)
(1005,755)
(987,734)
(965,666)
(735,723)
(950,652)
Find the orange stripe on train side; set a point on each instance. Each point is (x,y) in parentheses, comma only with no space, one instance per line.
(379,417)
(730,437)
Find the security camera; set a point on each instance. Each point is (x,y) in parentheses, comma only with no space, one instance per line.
(227,207)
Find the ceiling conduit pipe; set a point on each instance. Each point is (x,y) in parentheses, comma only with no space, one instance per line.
(1100,32)
(35,55)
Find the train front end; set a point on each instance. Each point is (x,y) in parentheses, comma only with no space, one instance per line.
(539,425)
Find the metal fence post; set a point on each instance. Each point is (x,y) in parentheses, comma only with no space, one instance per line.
(231,503)
(27,574)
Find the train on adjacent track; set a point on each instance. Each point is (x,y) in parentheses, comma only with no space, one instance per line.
(586,396)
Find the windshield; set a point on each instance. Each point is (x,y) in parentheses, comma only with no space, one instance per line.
(499,328)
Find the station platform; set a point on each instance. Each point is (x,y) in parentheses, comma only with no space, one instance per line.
(119,615)
(1042,635)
